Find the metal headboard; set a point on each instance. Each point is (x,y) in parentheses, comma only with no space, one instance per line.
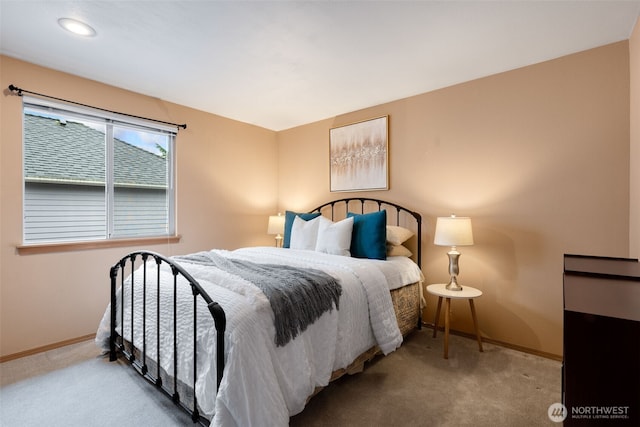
(396,215)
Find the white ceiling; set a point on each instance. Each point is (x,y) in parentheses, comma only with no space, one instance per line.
(280,64)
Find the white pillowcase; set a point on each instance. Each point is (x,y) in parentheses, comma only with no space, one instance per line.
(334,237)
(398,235)
(398,250)
(304,233)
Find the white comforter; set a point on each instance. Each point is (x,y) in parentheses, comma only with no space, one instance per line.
(264,384)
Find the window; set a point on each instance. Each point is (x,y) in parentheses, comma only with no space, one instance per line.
(92,176)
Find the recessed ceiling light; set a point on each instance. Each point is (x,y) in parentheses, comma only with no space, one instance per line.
(76,27)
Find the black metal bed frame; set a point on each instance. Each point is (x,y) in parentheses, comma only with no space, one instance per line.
(117,342)
(138,358)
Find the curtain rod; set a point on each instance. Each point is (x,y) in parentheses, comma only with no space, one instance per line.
(19,91)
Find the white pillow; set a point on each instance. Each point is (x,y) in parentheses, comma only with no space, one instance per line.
(334,237)
(304,233)
(398,235)
(398,250)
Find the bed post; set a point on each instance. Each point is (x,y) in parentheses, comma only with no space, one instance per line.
(220,321)
(112,336)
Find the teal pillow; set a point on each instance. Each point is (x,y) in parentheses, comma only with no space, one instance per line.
(288,222)
(369,236)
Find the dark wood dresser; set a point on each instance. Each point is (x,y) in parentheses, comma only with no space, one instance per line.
(601,362)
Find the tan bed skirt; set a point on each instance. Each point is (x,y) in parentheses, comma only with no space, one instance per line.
(406,303)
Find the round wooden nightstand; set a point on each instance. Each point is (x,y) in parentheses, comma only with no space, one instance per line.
(441,292)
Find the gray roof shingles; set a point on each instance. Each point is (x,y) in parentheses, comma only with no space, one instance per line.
(75,153)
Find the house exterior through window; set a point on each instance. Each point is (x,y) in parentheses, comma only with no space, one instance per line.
(90,177)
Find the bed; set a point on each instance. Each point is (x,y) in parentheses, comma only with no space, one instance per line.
(223,332)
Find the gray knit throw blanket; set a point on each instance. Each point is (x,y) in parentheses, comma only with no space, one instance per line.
(298,297)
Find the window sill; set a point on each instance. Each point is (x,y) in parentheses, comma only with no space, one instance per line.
(97,244)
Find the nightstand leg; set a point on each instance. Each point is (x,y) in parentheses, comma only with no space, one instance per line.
(447,309)
(475,323)
(435,322)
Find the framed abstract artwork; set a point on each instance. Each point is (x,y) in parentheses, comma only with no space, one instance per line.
(358,156)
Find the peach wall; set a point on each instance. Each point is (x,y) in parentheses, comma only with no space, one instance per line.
(634,213)
(538,157)
(226,188)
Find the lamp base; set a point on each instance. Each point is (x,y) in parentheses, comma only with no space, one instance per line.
(453,285)
(453,270)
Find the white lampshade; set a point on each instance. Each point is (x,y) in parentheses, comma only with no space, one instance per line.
(276,224)
(453,231)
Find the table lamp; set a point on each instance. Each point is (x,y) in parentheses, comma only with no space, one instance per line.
(453,231)
(276,226)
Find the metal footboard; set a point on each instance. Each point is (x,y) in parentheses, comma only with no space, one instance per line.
(138,357)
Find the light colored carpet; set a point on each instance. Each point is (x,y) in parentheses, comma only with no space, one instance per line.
(414,386)
(89,393)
